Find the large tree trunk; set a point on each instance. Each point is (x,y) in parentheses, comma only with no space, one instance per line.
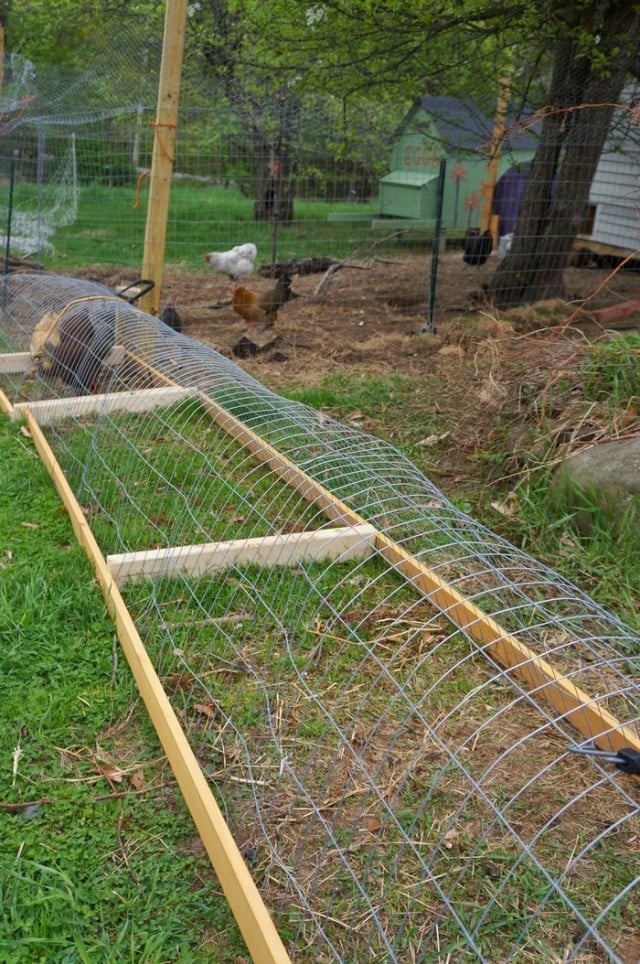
(574,130)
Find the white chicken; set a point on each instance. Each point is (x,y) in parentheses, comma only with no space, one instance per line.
(238,263)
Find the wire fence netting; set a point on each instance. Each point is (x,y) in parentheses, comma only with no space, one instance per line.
(399,773)
(309,175)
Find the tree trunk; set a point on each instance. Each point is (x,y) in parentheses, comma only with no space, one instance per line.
(574,131)
(274,200)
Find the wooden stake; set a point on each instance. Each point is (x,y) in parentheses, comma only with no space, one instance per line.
(252,917)
(164,145)
(489,186)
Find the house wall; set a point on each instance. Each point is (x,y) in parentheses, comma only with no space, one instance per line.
(615,191)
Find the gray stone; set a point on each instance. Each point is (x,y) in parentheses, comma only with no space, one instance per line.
(603,479)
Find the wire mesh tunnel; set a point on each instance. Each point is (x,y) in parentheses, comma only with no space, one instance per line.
(383,694)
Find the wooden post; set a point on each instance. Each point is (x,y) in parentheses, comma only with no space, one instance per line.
(488,187)
(1,56)
(163,150)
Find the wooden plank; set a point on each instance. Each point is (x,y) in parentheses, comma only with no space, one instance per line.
(284,549)
(14,362)
(5,404)
(573,704)
(253,919)
(52,410)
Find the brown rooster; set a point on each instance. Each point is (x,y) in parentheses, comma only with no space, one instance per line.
(262,309)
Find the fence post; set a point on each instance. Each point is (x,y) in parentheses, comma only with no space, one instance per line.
(163,149)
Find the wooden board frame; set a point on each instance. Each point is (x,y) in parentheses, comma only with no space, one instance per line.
(283,549)
(570,702)
(50,410)
(249,910)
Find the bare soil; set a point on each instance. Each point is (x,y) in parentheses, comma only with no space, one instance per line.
(367,319)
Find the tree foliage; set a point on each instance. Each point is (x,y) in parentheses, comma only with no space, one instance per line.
(67,31)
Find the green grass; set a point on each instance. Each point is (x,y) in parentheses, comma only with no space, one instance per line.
(603,558)
(605,563)
(109,229)
(84,875)
(612,372)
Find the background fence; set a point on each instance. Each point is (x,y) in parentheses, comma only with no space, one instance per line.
(292,173)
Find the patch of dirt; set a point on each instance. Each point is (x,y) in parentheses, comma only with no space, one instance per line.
(368,318)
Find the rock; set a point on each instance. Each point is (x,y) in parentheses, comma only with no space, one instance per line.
(602,480)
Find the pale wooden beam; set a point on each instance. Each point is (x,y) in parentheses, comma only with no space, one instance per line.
(53,410)
(257,928)
(284,549)
(14,362)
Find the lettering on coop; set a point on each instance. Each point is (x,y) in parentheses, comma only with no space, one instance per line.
(421,155)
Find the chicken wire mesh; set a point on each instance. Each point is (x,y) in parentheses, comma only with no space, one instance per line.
(247,167)
(304,175)
(399,789)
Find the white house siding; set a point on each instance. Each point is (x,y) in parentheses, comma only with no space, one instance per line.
(617,225)
(615,192)
(617,179)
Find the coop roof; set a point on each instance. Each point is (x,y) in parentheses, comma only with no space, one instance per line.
(461,125)
(408,178)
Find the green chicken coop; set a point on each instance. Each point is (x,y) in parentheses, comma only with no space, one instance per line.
(457,131)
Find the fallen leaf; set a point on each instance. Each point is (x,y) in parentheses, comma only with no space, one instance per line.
(372,824)
(507,508)
(355,416)
(433,439)
(25,431)
(207,709)
(29,525)
(112,774)
(17,756)
(137,780)
(450,838)
(180,681)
